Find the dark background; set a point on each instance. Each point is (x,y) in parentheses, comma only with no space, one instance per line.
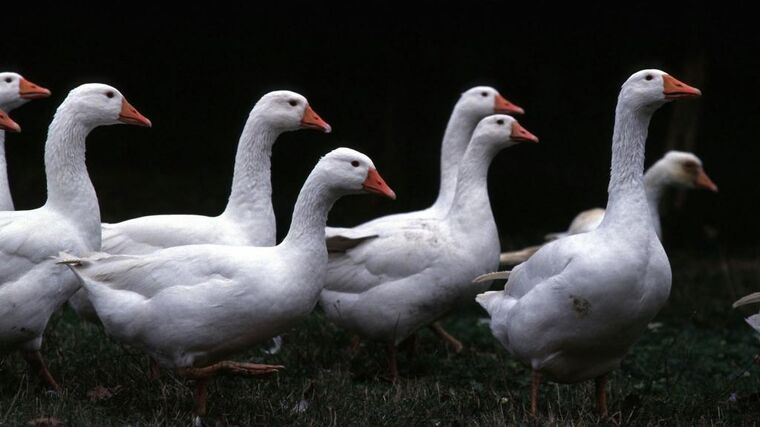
(386,78)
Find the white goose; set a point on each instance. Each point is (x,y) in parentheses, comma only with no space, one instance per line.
(189,307)
(574,309)
(472,106)
(15,91)
(676,169)
(248,218)
(32,286)
(754,320)
(417,270)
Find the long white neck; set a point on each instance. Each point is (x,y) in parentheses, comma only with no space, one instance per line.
(655,183)
(69,189)
(307,227)
(250,202)
(458,133)
(627,204)
(471,204)
(6,201)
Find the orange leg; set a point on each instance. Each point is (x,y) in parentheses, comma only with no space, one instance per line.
(535,383)
(200,397)
(38,367)
(410,345)
(154,370)
(202,376)
(601,395)
(454,343)
(356,341)
(392,366)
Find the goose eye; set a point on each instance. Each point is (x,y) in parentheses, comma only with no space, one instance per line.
(500,121)
(293,103)
(8,79)
(483,94)
(355,163)
(649,77)
(110,94)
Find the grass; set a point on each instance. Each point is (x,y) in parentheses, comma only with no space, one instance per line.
(694,367)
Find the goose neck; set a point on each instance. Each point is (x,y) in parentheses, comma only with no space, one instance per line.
(307,226)
(471,202)
(627,197)
(251,194)
(68,184)
(458,132)
(6,202)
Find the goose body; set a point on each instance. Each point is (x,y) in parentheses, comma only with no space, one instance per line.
(190,306)
(248,218)
(472,106)
(574,309)
(32,286)
(15,91)
(415,272)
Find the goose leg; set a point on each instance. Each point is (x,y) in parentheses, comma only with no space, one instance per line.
(356,341)
(38,367)
(455,344)
(153,369)
(392,366)
(410,345)
(200,397)
(535,383)
(229,367)
(601,395)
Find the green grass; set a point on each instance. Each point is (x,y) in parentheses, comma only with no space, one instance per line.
(695,368)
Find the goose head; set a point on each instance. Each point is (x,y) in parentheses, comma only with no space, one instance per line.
(350,172)
(288,111)
(16,91)
(653,88)
(501,131)
(684,170)
(6,123)
(482,101)
(96,104)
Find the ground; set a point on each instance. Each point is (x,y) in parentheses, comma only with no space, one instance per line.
(693,367)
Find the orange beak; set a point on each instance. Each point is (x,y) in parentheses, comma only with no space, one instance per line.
(131,116)
(376,184)
(519,133)
(29,90)
(6,123)
(312,120)
(704,181)
(672,88)
(502,106)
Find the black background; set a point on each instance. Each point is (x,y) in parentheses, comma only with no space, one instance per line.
(386,77)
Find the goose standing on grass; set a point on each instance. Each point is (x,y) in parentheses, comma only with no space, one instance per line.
(472,106)
(417,271)
(15,91)
(676,169)
(248,218)
(574,309)
(32,286)
(189,307)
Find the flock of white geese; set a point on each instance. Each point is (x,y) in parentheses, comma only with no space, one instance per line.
(191,290)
